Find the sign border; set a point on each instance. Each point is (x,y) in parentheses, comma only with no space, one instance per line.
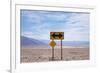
(55,38)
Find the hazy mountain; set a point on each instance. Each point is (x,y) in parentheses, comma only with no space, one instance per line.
(74,43)
(25,41)
(70,43)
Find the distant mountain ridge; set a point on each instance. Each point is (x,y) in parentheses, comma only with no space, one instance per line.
(25,41)
(75,43)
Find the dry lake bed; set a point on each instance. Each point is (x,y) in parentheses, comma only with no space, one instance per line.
(43,55)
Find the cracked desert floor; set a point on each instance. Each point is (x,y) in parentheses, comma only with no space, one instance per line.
(29,55)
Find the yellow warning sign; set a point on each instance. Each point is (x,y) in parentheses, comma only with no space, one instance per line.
(57,35)
(52,43)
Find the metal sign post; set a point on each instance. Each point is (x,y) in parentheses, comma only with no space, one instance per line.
(52,44)
(52,53)
(61,51)
(56,36)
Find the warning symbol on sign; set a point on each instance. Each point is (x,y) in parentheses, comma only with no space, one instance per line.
(52,43)
(57,35)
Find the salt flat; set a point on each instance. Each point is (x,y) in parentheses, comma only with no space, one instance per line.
(29,55)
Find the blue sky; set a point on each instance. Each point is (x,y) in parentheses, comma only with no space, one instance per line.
(39,24)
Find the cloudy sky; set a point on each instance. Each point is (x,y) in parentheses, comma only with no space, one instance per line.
(39,24)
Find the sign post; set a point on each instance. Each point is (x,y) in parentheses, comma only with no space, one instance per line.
(52,44)
(56,36)
(61,50)
(52,53)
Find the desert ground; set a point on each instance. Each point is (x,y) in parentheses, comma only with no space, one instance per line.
(29,55)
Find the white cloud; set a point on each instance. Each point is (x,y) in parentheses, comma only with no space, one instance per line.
(78,27)
(75,25)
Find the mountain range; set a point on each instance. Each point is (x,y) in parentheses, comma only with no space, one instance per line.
(26,41)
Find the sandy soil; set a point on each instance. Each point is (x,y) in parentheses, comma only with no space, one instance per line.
(43,55)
